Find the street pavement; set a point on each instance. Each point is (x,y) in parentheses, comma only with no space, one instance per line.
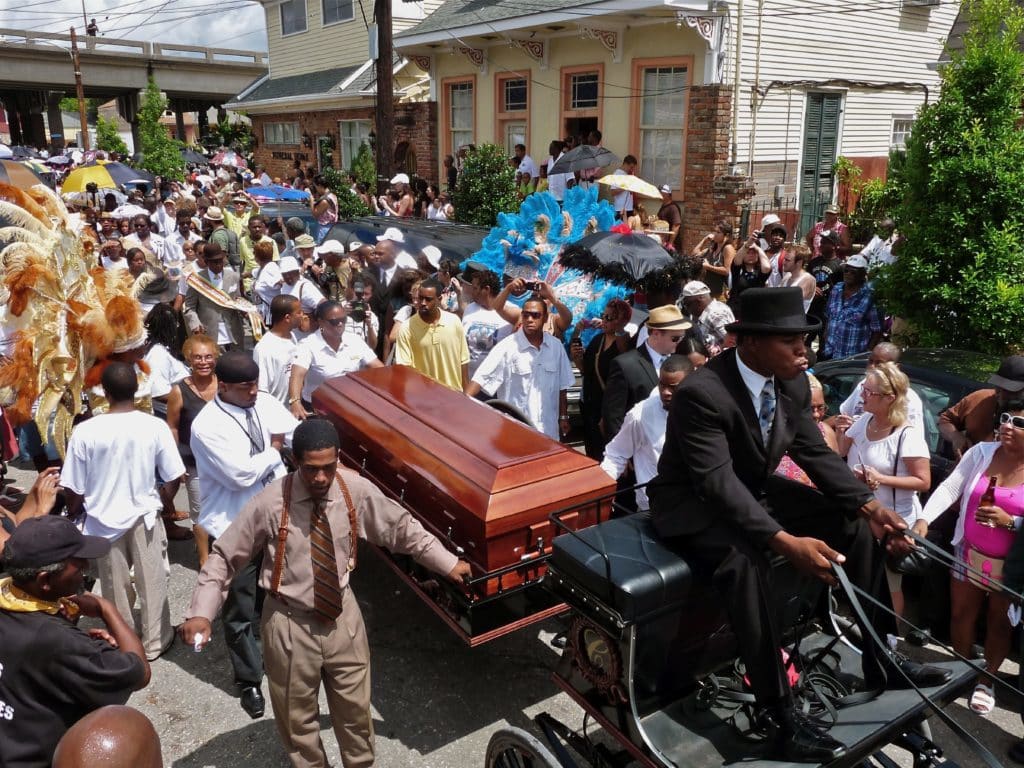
(436,702)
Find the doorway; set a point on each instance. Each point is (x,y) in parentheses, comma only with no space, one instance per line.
(579,127)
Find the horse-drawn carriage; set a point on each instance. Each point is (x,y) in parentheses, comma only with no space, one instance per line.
(650,654)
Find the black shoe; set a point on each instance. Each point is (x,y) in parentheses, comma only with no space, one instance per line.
(253,702)
(794,737)
(560,640)
(922,675)
(1016,752)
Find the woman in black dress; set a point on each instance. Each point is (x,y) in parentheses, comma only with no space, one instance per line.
(595,364)
(750,270)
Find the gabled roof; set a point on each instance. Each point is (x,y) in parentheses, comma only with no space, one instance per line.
(324,82)
(955,39)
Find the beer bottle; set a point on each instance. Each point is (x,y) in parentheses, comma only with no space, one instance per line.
(988,499)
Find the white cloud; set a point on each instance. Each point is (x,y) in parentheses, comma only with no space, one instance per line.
(213,23)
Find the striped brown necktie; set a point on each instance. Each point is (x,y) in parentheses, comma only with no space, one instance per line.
(326,587)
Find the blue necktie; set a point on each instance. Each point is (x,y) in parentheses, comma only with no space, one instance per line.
(766,415)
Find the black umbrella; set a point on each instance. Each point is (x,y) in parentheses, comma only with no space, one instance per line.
(627,258)
(582,158)
(23,152)
(191,156)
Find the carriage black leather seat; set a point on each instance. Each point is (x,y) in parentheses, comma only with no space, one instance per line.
(646,577)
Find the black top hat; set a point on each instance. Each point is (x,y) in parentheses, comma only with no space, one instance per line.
(772,312)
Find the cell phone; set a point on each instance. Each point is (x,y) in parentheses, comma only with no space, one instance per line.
(532,285)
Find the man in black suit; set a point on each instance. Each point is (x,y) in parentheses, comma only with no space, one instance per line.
(717,501)
(634,374)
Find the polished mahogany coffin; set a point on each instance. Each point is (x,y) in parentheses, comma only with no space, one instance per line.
(479,480)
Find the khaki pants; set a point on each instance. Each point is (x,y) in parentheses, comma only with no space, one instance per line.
(146,552)
(298,652)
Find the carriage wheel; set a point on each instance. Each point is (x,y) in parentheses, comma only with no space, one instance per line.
(515,748)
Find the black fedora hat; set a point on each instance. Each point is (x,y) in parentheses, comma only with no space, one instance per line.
(772,312)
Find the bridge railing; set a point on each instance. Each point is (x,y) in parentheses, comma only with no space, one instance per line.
(141,48)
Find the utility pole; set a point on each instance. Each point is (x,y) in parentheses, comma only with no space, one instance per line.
(385,112)
(79,91)
(85,20)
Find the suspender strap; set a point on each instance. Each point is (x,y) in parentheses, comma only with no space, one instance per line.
(282,530)
(353,523)
(282,535)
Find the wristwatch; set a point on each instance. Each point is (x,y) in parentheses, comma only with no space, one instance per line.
(294,400)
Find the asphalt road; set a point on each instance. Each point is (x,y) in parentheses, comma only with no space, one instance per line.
(436,702)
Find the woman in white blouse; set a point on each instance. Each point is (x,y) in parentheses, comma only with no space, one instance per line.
(889,454)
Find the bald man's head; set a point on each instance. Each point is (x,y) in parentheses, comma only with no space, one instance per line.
(113,737)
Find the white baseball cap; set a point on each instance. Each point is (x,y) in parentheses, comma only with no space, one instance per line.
(288,264)
(400,178)
(393,234)
(355,245)
(693,288)
(857,261)
(433,254)
(330,246)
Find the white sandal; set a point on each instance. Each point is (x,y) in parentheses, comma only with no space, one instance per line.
(983,700)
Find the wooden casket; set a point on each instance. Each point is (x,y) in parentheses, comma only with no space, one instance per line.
(480,481)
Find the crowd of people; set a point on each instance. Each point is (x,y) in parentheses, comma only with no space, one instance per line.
(247,316)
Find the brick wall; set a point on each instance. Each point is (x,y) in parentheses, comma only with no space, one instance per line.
(710,191)
(415,123)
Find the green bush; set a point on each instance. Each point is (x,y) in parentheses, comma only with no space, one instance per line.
(959,279)
(107,137)
(486,187)
(364,166)
(161,153)
(349,205)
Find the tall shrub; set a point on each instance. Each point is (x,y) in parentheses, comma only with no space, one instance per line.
(486,187)
(107,137)
(959,279)
(161,153)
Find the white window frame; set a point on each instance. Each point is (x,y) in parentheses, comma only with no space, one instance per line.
(323,14)
(909,120)
(350,144)
(675,125)
(282,134)
(466,132)
(573,76)
(305,19)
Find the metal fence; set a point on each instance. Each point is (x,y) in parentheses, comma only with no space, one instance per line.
(795,218)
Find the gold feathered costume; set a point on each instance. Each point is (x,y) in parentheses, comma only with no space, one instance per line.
(65,312)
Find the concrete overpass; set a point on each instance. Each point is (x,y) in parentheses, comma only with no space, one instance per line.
(36,72)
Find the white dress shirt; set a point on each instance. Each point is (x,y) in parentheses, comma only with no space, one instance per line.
(528,378)
(322,362)
(753,381)
(267,283)
(228,475)
(641,438)
(656,357)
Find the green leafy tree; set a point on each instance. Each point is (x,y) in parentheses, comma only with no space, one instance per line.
(161,154)
(486,187)
(107,137)
(349,205)
(364,166)
(70,104)
(959,279)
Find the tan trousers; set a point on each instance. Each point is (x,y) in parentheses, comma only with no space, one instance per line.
(298,652)
(146,551)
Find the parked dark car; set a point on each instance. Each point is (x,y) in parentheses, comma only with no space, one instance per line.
(941,377)
(456,241)
(274,209)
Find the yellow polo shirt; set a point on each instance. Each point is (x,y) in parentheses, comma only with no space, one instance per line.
(438,350)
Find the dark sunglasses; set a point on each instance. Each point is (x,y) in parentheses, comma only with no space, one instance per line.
(1016,421)
(534,315)
(336,321)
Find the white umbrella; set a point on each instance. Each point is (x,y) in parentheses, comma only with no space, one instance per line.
(5,152)
(629,183)
(129,211)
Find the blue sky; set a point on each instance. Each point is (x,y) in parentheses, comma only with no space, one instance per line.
(214,23)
